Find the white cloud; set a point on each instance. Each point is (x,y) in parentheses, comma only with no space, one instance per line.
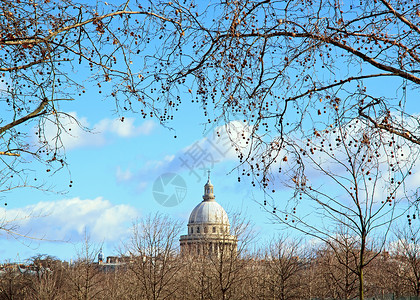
(77,131)
(229,137)
(67,219)
(159,164)
(79,136)
(125,128)
(123,175)
(217,146)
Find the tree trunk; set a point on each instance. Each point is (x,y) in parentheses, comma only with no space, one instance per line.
(361,294)
(362,265)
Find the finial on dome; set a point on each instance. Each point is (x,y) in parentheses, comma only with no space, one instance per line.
(208,189)
(208,177)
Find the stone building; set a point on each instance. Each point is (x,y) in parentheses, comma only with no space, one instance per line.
(208,227)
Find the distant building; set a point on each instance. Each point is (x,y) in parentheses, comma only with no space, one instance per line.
(100,257)
(112,263)
(208,227)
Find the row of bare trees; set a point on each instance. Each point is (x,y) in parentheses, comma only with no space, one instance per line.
(285,269)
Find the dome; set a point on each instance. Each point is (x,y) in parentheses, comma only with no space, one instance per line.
(208,227)
(209,212)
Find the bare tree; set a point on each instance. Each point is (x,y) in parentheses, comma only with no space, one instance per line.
(153,254)
(284,263)
(384,278)
(119,284)
(84,276)
(352,185)
(407,255)
(286,68)
(50,53)
(48,277)
(337,264)
(14,284)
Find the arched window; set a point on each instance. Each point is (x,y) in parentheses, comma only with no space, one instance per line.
(198,229)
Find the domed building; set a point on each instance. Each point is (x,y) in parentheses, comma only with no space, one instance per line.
(208,227)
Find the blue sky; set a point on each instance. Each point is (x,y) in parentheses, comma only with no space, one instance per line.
(112,168)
